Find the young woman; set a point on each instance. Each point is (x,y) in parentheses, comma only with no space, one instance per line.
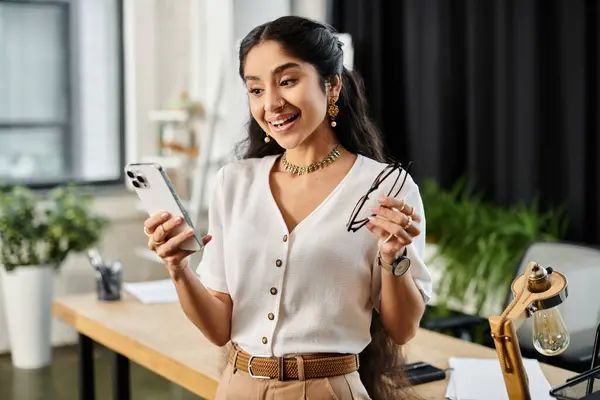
(316,308)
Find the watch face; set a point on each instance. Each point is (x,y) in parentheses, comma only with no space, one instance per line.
(401,266)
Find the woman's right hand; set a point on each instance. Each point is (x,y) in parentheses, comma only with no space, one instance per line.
(157,228)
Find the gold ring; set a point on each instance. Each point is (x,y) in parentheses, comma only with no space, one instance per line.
(164,236)
(412,211)
(157,243)
(146,232)
(403,205)
(408,222)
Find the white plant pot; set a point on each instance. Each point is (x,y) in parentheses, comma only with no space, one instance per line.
(28,302)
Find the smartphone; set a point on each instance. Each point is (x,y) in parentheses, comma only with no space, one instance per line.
(423,372)
(157,194)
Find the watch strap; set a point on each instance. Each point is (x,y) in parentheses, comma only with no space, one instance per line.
(384,265)
(389,267)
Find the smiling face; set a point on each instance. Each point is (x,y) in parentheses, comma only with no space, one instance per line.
(286,95)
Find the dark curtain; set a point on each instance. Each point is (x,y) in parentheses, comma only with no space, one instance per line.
(504,93)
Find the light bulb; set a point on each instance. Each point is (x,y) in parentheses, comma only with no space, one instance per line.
(550,335)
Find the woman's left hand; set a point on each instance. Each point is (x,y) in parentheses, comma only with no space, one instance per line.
(394,225)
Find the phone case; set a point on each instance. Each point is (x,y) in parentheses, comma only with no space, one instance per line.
(425,374)
(157,194)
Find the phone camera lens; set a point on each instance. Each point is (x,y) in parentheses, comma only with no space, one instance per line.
(130,174)
(141,179)
(136,184)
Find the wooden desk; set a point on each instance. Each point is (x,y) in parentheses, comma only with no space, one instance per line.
(436,348)
(162,339)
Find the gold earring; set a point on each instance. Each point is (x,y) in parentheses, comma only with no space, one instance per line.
(267,138)
(333,111)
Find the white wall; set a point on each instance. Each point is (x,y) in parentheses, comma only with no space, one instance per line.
(173,37)
(140,77)
(97,88)
(315,9)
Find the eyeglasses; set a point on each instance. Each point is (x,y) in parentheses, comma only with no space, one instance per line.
(360,216)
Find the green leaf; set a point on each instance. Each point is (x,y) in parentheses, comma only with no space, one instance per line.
(481,242)
(36,229)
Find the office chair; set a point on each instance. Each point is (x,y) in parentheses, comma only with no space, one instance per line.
(581,312)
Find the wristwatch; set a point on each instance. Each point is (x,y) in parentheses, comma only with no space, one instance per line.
(398,267)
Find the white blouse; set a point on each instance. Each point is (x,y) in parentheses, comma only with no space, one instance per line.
(307,291)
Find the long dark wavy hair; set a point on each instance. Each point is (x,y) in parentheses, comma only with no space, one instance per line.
(381,363)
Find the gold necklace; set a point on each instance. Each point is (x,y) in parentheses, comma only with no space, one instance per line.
(296,169)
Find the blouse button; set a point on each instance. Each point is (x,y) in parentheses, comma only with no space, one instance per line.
(273,291)
(285,238)
(264,340)
(278,263)
(271,316)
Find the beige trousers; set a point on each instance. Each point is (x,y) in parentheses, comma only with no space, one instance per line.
(238,385)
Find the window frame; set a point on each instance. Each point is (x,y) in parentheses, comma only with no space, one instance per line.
(67,126)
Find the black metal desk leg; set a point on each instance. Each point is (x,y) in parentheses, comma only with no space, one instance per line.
(121,383)
(86,368)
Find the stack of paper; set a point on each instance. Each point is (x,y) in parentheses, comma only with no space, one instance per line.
(161,291)
(482,379)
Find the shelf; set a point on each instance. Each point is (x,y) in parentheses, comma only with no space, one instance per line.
(169,115)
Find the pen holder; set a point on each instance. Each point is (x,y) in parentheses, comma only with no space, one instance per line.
(108,282)
(586,385)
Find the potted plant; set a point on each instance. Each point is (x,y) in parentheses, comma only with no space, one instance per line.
(37,233)
(481,243)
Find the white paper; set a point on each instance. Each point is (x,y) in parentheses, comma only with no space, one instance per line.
(482,379)
(153,292)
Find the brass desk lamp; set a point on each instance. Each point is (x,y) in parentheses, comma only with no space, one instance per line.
(536,293)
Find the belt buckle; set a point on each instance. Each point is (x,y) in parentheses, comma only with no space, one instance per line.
(250,368)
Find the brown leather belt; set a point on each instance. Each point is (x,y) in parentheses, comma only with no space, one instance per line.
(287,368)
